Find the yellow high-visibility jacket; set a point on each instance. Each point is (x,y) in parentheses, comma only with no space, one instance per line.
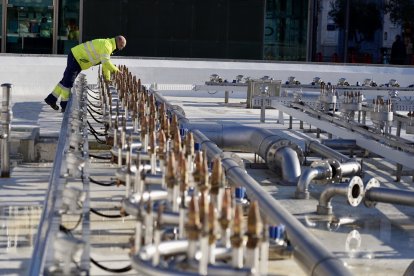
(94,52)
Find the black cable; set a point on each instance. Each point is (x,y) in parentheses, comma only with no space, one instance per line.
(100,141)
(100,157)
(90,89)
(94,111)
(112,183)
(96,120)
(112,270)
(65,229)
(96,106)
(95,98)
(105,216)
(94,131)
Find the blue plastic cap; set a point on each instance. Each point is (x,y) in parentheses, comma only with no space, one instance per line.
(197,146)
(240,192)
(190,191)
(276,232)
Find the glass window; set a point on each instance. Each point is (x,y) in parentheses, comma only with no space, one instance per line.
(68,32)
(285,30)
(29,26)
(1,24)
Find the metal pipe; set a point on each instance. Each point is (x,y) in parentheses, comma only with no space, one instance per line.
(340,143)
(6,116)
(374,194)
(310,253)
(350,168)
(263,142)
(347,166)
(316,172)
(289,164)
(327,152)
(328,170)
(353,191)
(394,196)
(142,263)
(278,152)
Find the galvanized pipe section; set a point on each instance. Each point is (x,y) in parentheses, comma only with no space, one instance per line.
(309,252)
(6,117)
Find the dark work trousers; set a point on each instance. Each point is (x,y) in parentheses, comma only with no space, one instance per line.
(71,72)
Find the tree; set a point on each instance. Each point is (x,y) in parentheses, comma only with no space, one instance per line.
(401,12)
(365,18)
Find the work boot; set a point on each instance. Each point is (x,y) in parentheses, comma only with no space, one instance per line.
(63,106)
(51,100)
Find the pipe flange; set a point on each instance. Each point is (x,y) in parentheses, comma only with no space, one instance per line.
(372,183)
(353,241)
(336,170)
(326,171)
(271,153)
(355,192)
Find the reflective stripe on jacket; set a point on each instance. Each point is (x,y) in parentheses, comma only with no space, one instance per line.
(94,52)
(61,91)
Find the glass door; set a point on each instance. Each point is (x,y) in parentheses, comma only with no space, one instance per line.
(1,26)
(30,26)
(68,28)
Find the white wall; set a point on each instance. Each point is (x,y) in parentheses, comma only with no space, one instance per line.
(34,76)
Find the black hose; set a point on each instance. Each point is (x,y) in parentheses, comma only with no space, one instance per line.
(96,106)
(100,157)
(65,229)
(112,270)
(100,141)
(92,90)
(95,98)
(101,183)
(94,131)
(94,111)
(96,120)
(105,216)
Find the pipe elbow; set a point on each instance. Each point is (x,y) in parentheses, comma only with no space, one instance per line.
(319,170)
(289,164)
(285,158)
(305,179)
(353,191)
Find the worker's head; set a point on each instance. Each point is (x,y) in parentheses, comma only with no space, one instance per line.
(120,42)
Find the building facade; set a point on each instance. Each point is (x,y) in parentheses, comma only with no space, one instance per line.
(39,26)
(296,30)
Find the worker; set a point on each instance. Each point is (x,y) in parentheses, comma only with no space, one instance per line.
(82,57)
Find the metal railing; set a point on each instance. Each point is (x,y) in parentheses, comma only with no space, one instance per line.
(53,248)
